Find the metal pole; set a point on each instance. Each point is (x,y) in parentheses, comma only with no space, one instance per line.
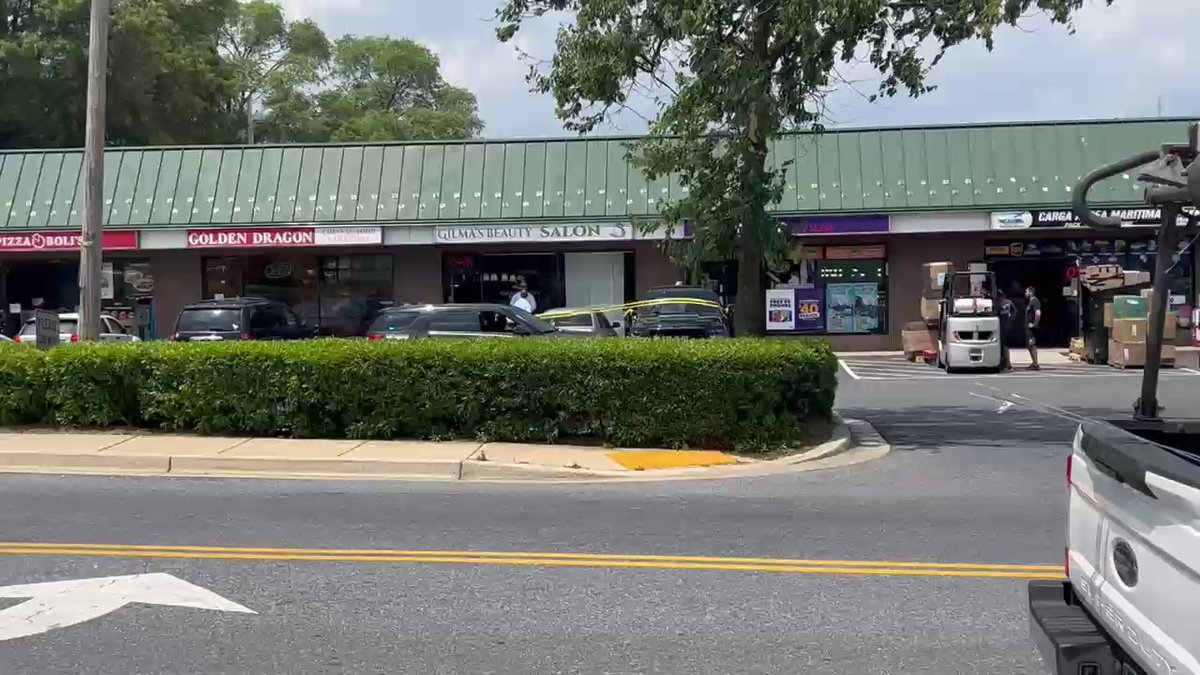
(1147,408)
(90,253)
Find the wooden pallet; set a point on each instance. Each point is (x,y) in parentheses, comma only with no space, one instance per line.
(1166,363)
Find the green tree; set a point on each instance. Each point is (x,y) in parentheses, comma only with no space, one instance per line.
(379,89)
(735,73)
(167,83)
(267,54)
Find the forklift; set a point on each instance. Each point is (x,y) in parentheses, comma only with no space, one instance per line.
(969,323)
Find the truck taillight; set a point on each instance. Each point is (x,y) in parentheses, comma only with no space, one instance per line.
(17,338)
(74,339)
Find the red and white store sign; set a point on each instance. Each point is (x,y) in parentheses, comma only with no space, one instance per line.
(113,240)
(243,237)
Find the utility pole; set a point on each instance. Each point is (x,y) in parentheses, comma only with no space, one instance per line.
(90,249)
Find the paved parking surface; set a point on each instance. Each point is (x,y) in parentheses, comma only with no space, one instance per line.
(896,367)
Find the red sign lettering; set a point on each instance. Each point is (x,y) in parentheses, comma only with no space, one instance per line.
(114,240)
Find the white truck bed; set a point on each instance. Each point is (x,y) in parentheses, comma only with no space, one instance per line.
(1133,555)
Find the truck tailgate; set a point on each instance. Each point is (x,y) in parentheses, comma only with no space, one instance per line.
(1134,554)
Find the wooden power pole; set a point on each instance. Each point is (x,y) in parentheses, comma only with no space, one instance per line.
(90,249)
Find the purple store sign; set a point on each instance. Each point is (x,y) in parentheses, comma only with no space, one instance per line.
(839,225)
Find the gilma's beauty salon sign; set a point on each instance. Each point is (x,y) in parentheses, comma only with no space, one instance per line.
(492,234)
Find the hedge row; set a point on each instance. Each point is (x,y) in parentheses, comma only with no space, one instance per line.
(744,394)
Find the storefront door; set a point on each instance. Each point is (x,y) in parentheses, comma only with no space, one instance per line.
(595,280)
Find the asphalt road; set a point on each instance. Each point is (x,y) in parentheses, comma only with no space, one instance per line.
(965,483)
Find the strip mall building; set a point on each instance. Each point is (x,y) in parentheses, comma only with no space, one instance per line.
(337,231)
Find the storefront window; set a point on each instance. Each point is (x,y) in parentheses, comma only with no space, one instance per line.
(354,288)
(124,285)
(337,295)
(834,290)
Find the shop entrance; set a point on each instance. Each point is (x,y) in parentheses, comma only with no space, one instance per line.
(493,277)
(1048,276)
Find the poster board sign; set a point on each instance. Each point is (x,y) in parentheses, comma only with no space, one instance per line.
(781,309)
(46,323)
(796,310)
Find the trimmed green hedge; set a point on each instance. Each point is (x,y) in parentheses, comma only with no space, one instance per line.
(743,394)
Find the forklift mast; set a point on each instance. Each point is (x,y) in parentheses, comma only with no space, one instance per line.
(1171,176)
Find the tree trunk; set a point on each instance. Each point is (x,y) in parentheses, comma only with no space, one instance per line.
(749,316)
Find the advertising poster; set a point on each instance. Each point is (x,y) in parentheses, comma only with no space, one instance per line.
(810,310)
(866,308)
(781,309)
(839,308)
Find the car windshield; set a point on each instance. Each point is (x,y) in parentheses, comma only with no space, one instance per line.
(537,324)
(206,319)
(391,322)
(692,297)
(65,327)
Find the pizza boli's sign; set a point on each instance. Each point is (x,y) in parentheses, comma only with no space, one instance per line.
(489,234)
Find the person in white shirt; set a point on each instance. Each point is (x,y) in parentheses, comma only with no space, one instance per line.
(523,298)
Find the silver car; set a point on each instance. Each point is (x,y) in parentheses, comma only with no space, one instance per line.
(111,330)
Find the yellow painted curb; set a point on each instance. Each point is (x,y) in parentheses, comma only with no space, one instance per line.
(670,459)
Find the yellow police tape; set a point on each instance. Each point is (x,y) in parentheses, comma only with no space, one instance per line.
(631,306)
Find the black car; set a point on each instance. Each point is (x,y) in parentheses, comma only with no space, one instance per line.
(459,321)
(680,311)
(239,319)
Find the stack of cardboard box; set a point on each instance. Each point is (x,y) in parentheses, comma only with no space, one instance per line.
(1127,318)
(922,336)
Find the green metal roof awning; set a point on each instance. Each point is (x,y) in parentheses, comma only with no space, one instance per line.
(996,167)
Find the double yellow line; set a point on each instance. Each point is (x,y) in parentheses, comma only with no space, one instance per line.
(660,562)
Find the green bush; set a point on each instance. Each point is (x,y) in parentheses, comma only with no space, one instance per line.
(22,384)
(742,394)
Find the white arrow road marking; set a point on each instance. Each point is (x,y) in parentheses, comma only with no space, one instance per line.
(58,604)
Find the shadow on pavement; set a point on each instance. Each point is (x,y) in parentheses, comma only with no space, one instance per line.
(932,427)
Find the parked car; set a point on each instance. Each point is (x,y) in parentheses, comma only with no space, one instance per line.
(239,319)
(696,314)
(460,321)
(111,330)
(582,321)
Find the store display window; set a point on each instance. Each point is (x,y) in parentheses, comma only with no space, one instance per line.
(832,290)
(337,295)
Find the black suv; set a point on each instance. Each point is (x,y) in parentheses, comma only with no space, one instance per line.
(681,311)
(239,319)
(459,321)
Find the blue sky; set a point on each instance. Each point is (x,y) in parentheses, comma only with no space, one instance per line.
(1127,60)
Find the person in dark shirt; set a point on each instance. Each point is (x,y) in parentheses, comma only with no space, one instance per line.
(1033,317)
(1007,311)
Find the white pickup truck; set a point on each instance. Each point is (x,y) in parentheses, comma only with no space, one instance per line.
(1132,604)
(1132,601)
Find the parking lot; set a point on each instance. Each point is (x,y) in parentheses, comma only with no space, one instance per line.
(877,367)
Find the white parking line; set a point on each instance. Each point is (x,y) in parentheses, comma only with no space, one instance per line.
(849,372)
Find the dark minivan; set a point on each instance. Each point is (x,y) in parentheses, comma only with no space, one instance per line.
(238,319)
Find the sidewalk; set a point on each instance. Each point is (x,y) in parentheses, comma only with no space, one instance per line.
(182,455)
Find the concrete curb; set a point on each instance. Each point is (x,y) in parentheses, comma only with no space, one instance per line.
(853,441)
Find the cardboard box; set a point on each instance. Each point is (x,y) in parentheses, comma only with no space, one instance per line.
(1133,354)
(1136,330)
(918,341)
(935,274)
(931,305)
(1129,330)
(1077,346)
(1108,314)
(1130,307)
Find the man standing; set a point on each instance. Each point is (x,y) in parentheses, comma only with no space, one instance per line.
(1033,317)
(523,299)
(1007,311)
